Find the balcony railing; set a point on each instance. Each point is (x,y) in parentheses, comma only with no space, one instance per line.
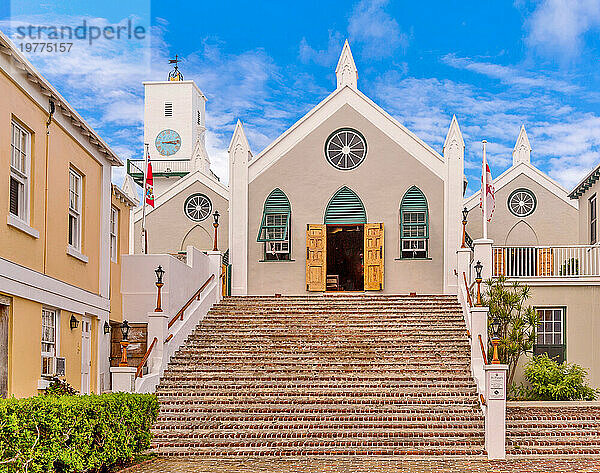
(160,167)
(571,261)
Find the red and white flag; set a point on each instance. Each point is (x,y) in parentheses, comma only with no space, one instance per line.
(149,185)
(487,190)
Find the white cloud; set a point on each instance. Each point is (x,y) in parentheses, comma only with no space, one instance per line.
(322,57)
(509,75)
(375,30)
(559,25)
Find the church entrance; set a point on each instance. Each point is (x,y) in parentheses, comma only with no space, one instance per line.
(345,258)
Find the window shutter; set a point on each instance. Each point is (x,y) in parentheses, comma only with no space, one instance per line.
(168,109)
(14,196)
(414,201)
(276,203)
(345,207)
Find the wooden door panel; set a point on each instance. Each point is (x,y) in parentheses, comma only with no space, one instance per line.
(373,256)
(316,257)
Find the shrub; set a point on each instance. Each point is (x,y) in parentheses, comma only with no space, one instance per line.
(60,388)
(552,381)
(73,433)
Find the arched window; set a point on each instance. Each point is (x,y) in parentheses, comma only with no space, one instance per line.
(345,207)
(414,225)
(275,226)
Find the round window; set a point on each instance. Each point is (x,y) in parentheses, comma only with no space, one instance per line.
(522,202)
(345,148)
(197,207)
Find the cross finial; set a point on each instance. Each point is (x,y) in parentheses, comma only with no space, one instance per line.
(175,74)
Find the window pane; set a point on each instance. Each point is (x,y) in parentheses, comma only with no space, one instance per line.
(548,339)
(558,338)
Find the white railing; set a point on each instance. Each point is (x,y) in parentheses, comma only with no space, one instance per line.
(166,166)
(570,261)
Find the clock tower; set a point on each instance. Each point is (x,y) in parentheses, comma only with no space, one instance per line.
(174,128)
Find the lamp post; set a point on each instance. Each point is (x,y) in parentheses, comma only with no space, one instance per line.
(465,214)
(495,340)
(124,342)
(106,328)
(478,279)
(73,322)
(216,225)
(159,284)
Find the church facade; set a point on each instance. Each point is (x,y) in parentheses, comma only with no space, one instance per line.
(347,199)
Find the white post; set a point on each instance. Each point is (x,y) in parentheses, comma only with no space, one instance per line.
(157,327)
(482,249)
(479,318)
(215,262)
(495,416)
(123,379)
(463,263)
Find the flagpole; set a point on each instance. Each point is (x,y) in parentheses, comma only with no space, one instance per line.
(484,185)
(143,235)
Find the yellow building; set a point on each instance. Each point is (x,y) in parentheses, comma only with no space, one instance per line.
(55,229)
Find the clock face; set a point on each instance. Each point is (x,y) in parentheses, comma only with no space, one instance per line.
(168,142)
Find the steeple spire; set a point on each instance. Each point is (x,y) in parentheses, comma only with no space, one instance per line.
(346,71)
(522,150)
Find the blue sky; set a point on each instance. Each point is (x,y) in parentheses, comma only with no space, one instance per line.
(496,65)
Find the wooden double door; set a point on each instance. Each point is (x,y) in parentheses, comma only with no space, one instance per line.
(372,258)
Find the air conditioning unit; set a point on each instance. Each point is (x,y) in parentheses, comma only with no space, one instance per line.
(53,366)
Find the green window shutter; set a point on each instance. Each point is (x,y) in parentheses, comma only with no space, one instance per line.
(345,207)
(277,203)
(414,201)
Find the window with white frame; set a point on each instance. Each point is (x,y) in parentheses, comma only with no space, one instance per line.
(593,220)
(75,199)
(277,245)
(550,333)
(49,340)
(20,147)
(114,232)
(414,225)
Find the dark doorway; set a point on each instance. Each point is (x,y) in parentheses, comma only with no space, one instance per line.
(345,247)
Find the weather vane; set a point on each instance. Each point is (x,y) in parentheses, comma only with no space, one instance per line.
(175,74)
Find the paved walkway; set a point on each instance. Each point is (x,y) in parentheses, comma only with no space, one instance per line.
(546,465)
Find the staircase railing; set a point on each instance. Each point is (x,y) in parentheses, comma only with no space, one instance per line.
(140,368)
(196,296)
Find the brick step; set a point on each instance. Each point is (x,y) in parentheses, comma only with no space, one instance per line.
(332,447)
(186,355)
(316,346)
(355,352)
(185,386)
(532,431)
(182,362)
(200,378)
(247,408)
(332,298)
(565,450)
(376,312)
(244,436)
(407,371)
(284,417)
(349,390)
(554,442)
(333,325)
(542,426)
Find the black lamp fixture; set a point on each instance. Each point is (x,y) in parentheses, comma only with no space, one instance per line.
(465,214)
(125,330)
(106,328)
(496,328)
(73,322)
(478,269)
(216,216)
(159,274)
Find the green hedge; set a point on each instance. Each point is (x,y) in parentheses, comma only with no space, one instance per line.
(73,433)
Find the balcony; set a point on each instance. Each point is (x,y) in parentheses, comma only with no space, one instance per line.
(160,167)
(544,262)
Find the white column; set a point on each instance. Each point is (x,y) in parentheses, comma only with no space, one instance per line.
(157,327)
(123,379)
(495,416)
(479,317)
(463,262)
(215,262)
(239,156)
(454,152)
(482,249)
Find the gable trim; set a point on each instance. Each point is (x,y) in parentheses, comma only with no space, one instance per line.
(362,105)
(534,174)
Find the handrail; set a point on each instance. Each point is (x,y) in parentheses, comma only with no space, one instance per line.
(189,302)
(469,300)
(482,399)
(138,373)
(482,350)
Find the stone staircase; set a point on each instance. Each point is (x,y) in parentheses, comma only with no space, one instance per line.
(553,430)
(323,375)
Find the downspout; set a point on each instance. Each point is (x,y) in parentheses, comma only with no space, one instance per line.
(51,111)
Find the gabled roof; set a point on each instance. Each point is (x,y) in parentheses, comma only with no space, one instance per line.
(353,97)
(533,173)
(180,186)
(587,182)
(31,74)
